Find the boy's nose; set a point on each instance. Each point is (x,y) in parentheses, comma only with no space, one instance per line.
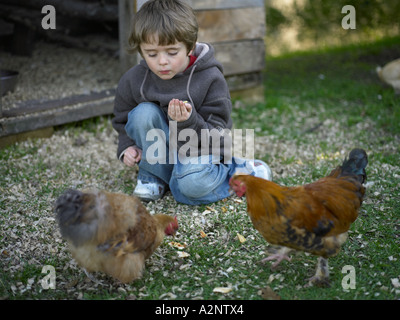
(163,60)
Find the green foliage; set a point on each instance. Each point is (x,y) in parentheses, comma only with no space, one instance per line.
(321,17)
(275,18)
(312,24)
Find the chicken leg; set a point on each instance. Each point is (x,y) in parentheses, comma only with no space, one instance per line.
(321,277)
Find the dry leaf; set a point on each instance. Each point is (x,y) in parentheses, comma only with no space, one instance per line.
(72,283)
(268,294)
(241,238)
(237,200)
(224,209)
(5,253)
(222,289)
(203,234)
(183,254)
(177,245)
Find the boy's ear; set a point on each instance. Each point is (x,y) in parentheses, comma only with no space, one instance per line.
(191,51)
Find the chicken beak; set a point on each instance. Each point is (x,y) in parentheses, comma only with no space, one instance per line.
(230,190)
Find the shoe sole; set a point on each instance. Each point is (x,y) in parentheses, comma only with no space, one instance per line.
(148,198)
(270,176)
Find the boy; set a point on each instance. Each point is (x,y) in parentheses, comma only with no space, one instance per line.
(179,86)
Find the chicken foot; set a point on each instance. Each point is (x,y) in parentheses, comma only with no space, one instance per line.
(321,277)
(91,277)
(279,256)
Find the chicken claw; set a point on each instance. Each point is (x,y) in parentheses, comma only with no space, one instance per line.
(91,277)
(279,256)
(318,282)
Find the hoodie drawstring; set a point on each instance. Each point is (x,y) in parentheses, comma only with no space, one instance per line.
(141,87)
(188,85)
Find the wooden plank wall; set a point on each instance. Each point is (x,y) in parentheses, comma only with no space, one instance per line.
(236,29)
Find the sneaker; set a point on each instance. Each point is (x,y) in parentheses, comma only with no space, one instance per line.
(149,191)
(259,169)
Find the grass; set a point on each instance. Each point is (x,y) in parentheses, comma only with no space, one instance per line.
(318,106)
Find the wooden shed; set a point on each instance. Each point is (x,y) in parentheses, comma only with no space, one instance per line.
(236,29)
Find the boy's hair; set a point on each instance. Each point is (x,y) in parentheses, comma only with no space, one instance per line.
(171,20)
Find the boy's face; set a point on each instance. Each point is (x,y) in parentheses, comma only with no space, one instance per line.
(165,61)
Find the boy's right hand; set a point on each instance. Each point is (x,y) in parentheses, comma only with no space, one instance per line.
(132,156)
(179,110)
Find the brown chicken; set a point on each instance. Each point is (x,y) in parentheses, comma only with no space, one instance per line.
(111,232)
(314,217)
(390,74)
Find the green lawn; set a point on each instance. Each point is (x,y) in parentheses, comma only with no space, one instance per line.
(318,106)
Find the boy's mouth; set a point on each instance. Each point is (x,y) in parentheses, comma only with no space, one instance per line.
(165,72)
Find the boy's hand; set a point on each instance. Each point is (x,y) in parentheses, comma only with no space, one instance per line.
(132,156)
(179,110)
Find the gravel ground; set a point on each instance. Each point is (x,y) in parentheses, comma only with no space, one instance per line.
(78,158)
(55,72)
(35,172)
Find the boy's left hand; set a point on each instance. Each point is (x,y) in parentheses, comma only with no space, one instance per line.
(179,110)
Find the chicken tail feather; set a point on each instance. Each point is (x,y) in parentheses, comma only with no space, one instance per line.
(356,164)
(70,211)
(68,207)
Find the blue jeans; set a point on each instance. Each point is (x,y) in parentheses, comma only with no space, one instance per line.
(192,183)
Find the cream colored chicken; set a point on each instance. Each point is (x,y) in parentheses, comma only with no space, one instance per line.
(111,232)
(390,74)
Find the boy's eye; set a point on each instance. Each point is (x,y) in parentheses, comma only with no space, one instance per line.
(171,53)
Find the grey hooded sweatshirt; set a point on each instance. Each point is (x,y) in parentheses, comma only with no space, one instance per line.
(202,84)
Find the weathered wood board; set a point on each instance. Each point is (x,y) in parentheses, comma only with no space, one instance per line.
(218,4)
(240,57)
(53,115)
(231,24)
